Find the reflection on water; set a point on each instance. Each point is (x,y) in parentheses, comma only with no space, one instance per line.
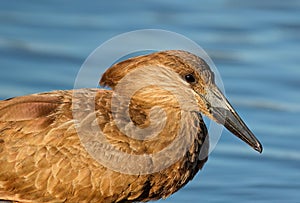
(255,45)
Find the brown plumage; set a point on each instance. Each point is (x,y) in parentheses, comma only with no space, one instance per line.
(43,158)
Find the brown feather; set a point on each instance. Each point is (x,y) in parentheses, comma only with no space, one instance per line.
(42,159)
(47,163)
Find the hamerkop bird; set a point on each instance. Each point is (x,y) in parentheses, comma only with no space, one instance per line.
(143,139)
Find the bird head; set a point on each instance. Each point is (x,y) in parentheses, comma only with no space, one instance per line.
(195,75)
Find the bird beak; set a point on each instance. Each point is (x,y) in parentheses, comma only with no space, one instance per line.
(223,113)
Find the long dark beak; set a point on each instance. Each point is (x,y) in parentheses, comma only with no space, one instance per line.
(223,113)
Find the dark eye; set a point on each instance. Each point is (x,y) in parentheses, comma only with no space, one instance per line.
(190,78)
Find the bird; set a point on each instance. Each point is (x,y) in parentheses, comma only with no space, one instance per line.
(139,136)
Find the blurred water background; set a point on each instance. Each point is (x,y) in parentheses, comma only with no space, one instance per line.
(254,44)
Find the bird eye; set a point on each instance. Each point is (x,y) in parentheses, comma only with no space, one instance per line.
(190,78)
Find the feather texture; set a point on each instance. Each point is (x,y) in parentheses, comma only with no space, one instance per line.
(42,158)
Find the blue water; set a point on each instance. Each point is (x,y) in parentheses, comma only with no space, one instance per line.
(254,44)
